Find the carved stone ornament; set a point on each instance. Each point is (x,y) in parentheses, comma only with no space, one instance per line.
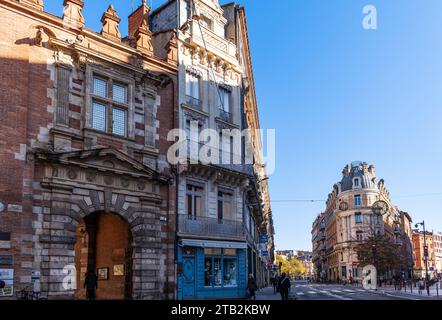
(195,116)
(91,176)
(72,13)
(62,58)
(108,180)
(72,174)
(125,183)
(141,185)
(111,22)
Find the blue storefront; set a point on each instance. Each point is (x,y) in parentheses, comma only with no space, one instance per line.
(211,270)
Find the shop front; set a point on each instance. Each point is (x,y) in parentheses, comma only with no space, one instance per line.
(211,270)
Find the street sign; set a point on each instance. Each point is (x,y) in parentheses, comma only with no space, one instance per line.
(264,238)
(265,253)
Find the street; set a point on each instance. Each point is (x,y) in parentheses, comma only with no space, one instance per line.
(302,290)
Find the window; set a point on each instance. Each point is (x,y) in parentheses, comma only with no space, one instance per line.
(206,22)
(224,206)
(193,130)
(224,99)
(194,201)
(359,236)
(109,106)
(193,86)
(220,267)
(358,218)
(356,183)
(358,200)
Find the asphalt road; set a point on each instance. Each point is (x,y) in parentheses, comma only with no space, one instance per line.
(313,291)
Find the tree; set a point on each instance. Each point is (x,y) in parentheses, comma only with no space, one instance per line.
(292,267)
(382,252)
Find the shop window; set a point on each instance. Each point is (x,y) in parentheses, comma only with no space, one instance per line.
(220,268)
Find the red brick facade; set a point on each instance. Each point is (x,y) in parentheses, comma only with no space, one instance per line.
(56,169)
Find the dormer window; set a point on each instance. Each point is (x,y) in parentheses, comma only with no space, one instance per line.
(206,22)
(356,183)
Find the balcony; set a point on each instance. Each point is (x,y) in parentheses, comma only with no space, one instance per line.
(193,154)
(216,44)
(194,102)
(225,115)
(210,228)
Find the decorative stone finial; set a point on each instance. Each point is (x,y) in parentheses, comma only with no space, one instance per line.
(110,22)
(172,49)
(72,14)
(139,31)
(37,4)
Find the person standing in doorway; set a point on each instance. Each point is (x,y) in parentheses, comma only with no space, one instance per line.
(90,284)
(284,286)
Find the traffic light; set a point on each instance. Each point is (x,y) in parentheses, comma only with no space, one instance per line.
(425,251)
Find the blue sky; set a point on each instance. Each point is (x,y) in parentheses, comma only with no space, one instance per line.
(336,93)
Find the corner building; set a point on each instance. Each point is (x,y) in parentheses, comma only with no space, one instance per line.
(350,218)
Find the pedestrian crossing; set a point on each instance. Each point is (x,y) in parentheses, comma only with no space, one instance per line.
(330,291)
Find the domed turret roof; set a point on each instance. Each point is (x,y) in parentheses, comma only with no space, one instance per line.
(361,170)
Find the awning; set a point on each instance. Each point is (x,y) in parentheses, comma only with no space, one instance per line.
(213,244)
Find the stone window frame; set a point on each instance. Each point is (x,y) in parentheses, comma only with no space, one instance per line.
(112,76)
(233,207)
(204,199)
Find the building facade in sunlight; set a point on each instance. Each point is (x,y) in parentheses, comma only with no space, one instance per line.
(359,207)
(85,184)
(225,229)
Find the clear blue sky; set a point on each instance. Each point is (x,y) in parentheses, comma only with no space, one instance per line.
(336,93)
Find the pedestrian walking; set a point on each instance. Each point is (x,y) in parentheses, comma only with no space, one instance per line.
(90,284)
(252,287)
(284,286)
(275,284)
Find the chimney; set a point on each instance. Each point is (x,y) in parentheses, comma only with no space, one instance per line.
(346,171)
(138,18)
(72,13)
(365,167)
(372,171)
(110,22)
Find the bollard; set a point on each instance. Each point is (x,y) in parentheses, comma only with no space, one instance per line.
(437,288)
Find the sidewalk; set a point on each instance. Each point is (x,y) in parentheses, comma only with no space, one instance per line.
(267,294)
(423,294)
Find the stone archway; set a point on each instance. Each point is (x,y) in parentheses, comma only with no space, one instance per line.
(104,246)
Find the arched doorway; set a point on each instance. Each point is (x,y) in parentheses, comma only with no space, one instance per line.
(104,246)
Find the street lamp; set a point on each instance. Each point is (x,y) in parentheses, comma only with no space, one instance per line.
(425,255)
(373,251)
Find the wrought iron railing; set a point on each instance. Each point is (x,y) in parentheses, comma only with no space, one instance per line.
(225,115)
(211,227)
(194,102)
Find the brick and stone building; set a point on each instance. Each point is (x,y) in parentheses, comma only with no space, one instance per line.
(85,184)
(422,261)
(358,207)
